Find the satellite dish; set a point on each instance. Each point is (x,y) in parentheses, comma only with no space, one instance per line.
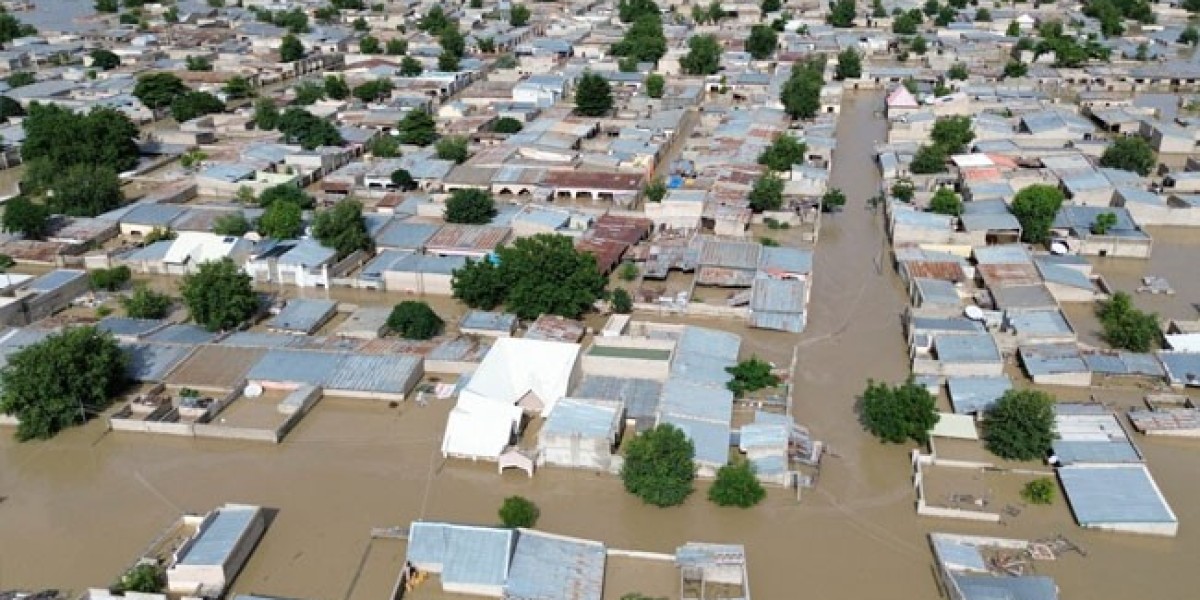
(253,390)
(974,313)
(1059,248)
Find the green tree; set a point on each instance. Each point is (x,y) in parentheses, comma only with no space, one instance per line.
(384,146)
(655,84)
(907,23)
(106,6)
(143,578)
(622,302)
(928,159)
(396,47)
(627,64)
(11,28)
(1013,29)
(898,413)
(542,274)
(218,295)
(658,466)
(403,180)
(234,223)
(1127,327)
(703,57)
(452,42)
(983,15)
(454,147)
(360,24)
(903,190)
(518,15)
(159,234)
(644,41)
(434,21)
(31,219)
(945,202)
(299,126)
(410,67)
(308,92)
(20,79)
(1103,223)
(1129,154)
(593,96)
(85,191)
(877,9)
(197,63)
(109,279)
(736,485)
(750,375)
(159,90)
(507,125)
(850,65)
(767,194)
(486,45)
(285,192)
(841,13)
(631,10)
(833,200)
(291,50)
(1039,491)
(6,263)
(372,91)
(1190,36)
(37,391)
(1035,208)
(282,220)
(195,104)
(801,94)
(414,320)
(770,6)
(952,133)
(783,152)
(518,511)
(10,108)
(238,87)
(342,228)
(266,115)
(1021,425)
(369,45)
(655,191)
(470,205)
(145,303)
(762,42)
(417,128)
(958,71)
(1015,69)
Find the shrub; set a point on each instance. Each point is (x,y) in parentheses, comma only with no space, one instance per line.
(518,511)
(414,320)
(1039,491)
(751,375)
(736,485)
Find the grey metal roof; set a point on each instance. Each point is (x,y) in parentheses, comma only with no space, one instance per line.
(303,315)
(1079,220)
(216,542)
(301,366)
(466,555)
(387,373)
(1183,368)
(55,279)
(152,362)
(685,398)
(1011,297)
(984,221)
(1052,359)
(971,395)
(258,339)
(1040,322)
(957,556)
(489,321)
(1001,255)
(154,215)
(1071,452)
(307,253)
(588,419)
(127,327)
(640,396)
(1061,275)
(182,334)
(968,348)
(730,254)
(711,440)
(1123,363)
(937,291)
(945,325)
(549,566)
(786,259)
(992,587)
(1114,494)
(405,236)
(778,295)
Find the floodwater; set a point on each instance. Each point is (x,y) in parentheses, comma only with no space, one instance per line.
(81,507)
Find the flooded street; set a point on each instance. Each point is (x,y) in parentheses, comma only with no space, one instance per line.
(81,507)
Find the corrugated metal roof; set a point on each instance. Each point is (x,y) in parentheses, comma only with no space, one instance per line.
(303,315)
(1039,322)
(55,280)
(1114,494)
(477,238)
(216,542)
(463,554)
(976,394)
(640,396)
(182,334)
(711,440)
(966,348)
(387,373)
(488,321)
(128,327)
(1183,368)
(786,260)
(1052,359)
(937,292)
(957,556)
(587,419)
(1023,297)
(152,362)
(307,253)
(299,366)
(684,398)
(546,566)
(730,254)
(992,587)
(778,296)
(1001,254)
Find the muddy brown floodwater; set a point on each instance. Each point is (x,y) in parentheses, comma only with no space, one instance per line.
(82,506)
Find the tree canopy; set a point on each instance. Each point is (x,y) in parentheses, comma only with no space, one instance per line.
(518,15)
(593,95)
(762,42)
(143,578)
(103,137)
(736,485)
(801,94)
(470,205)
(644,40)
(291,49)
(109,279)
(299,126)
(945,202)
(414,320)
(266,114)
(928,159)
(622,302)
(507,125)
(282,220)
(417,128)
(750,375)
(411,67)
(218,295)
(285,192)
(952,134)
(1126,327)
(234,224)
(655,85)
(658,466)
(158,90)
(372,91)
(630,10)
(1130,154)
(703,57)
(31,219)
(1021,425)
(85,191)
(104,59)
(190,105)
(145,303)
(37,390)
(833,200)
(518,511)
(842,13)
(849,64)
(1035,207)
(767,194)
(342,228)
(542,274)
(454,147)
(895,414)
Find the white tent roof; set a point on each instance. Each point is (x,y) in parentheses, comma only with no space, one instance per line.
(479,428)
(515,367)
(198,247)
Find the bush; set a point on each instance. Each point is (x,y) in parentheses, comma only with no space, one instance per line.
(1035,207)
(658,466)
(736,485)
(945,202)
(470,205)
(518,511)
(767,194)
(1021,425)
(628,271)
(110,279)
(751,375)
(507,125)
(1039,491)
(1127,327)
(144,578)
(622,303)
(895,414)
(218,295)
(145,303)
(655,191)
(833,200)
(1130,154)
(414,320)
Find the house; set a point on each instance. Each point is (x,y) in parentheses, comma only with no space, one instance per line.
(302,316)
(976,395)
(190,249)
(1055,364)
(474,241)
(487,323)
(619,188)
(397,271)
(1076,226)
(581,433)
(960,354)
(1122,498)
(33,299)
(140,219)
(962,568)
(1147,208)
(205,564)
